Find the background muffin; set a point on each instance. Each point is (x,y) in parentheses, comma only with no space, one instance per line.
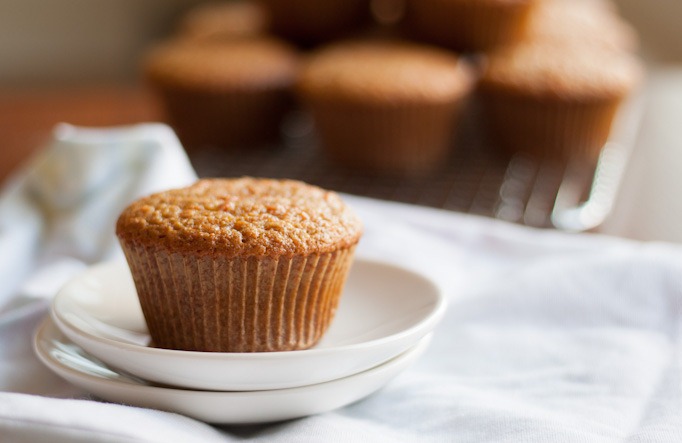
(228,93)
(556,102)
(385,106)
(310,22)
(468,25)
(223,21)
(239,265)
(580,22)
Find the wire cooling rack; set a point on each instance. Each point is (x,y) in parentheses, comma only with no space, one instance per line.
(475,179)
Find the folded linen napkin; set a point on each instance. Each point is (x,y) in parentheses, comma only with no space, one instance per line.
(547,337)
(56,215)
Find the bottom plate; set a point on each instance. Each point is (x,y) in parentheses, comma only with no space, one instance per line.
(73,364)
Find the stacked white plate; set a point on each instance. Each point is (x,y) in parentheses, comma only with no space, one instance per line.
(97,339)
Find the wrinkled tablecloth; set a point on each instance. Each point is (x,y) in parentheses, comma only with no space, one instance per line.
(547,337)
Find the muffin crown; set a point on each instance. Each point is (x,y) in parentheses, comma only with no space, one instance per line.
(384,72)
(234,19)
(229,64)
(567,71)
(242,217)
(581,22)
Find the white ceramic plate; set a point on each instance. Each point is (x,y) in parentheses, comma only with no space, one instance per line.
(384,311)
(70,362)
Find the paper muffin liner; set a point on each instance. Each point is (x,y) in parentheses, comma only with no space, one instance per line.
(227,119)
(555,129)
(403,140)
(254,304)
(468,26)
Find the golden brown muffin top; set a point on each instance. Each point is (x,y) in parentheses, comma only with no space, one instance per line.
(576,72)
(581,22)
(242,217)
(384,73)
(224,20)
(241,63)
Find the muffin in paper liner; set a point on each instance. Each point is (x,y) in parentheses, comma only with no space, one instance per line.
(226,93)
(386,107)
(226,119)
(468,25)
(555,101)
(212,294)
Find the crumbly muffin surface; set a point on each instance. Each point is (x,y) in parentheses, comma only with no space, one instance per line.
(226,64)
(384,72)
(242,217)
(547,70)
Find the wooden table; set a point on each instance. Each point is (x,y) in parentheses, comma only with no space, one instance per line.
(27,117)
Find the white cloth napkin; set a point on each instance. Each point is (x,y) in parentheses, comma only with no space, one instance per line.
(547,337)
(56,215)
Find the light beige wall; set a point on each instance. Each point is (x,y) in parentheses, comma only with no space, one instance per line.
(72,41)
(659,23)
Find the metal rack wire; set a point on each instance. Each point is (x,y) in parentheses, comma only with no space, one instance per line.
(475,179)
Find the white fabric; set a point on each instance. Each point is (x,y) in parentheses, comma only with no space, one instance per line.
(547,337)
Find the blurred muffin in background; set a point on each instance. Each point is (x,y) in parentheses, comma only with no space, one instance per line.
(223,20)
(387,107)
(468,25)
(310,22)
(582,22)
(556,102)
(231,93)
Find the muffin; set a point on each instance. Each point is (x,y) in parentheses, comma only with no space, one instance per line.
(223,21)
(239,265)
(231,93)
(311,22)
(581,22)
(468,25)
(385,107)
(556,103)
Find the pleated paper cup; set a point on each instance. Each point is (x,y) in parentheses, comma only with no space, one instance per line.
(402,140)
(385,106)
(557,129)
(227,119)
(556,101)
(204,302)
